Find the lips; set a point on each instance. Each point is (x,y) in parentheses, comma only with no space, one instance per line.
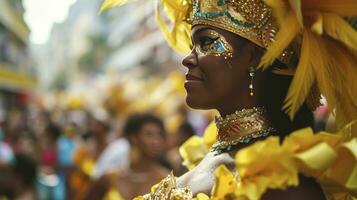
(191,77)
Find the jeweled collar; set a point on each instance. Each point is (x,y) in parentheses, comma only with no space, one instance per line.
(241,127)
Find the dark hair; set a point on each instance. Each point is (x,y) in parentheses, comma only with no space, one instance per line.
(135,122)
(53,131)
(186,129)
(26,168)
(275,91)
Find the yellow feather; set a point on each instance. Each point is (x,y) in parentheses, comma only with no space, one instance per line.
(317,26)
(296,7)
(279,8)
(343,8)
(111,3)
(179,37)
(339,29)
(288,31)
(303,79)
(342,91)
(173,8)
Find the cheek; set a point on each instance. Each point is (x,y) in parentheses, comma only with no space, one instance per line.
(218,74)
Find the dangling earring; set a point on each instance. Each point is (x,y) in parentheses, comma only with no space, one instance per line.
(227,61)
(252,71)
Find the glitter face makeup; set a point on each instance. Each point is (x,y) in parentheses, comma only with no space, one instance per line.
(214,44)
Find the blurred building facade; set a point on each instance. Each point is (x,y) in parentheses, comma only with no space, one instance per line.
(17,72)
(88,44)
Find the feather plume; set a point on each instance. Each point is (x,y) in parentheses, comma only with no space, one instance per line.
(344,8)
(317,26)
(296,7)
(179,36)
(280,9)
(339,29)
(303,79)
(288,31)
(111,3)
(342,71)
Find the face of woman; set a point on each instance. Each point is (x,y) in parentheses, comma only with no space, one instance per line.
(217,75)
(150,140)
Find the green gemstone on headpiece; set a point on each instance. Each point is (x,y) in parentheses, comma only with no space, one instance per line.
(265,134)
(246,140)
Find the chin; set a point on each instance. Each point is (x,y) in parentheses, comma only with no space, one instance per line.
(197,103)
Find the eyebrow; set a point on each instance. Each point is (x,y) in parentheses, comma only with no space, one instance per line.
(201,29)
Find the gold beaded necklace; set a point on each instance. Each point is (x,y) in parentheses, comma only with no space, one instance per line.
(241,127)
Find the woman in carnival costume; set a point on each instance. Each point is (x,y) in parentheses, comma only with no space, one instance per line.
(263,64)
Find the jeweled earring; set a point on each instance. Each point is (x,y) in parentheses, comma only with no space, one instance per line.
(252,71)
(227,61)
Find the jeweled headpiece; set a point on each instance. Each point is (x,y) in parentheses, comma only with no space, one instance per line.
(251,19)
(324,42)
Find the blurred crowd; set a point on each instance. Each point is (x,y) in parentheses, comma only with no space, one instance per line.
(65,146)
(77,154)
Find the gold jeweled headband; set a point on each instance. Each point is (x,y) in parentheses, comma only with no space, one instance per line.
(250,19)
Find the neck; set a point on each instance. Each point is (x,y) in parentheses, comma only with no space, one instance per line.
(229,108)
(143,164)
(100,140)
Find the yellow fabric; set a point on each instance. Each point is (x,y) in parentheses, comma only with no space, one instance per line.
(210,134)
(327,157)
(202,196)
(195,148)
(327,56)
(262,166)
(331,158)
(226,184)
(193,151)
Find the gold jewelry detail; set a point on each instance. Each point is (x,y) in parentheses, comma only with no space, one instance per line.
(241,127)
(252,71)
(166,190)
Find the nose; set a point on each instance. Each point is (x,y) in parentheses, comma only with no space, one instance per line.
(190,60)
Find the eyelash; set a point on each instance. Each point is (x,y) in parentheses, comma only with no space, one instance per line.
(205,41)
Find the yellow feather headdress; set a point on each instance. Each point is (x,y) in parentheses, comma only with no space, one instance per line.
(327,56)
(327,43)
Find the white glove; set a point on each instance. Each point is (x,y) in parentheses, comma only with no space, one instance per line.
(201,179)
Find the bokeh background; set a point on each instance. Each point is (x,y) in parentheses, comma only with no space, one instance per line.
(69,80)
